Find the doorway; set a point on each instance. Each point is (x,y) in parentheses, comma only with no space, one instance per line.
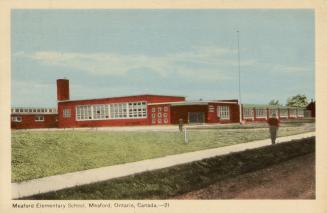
(196,117)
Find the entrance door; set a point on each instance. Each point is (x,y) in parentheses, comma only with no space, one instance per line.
(196,117)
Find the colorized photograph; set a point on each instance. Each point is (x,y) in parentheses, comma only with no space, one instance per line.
(162,104)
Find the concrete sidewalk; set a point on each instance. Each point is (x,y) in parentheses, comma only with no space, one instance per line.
(57,182)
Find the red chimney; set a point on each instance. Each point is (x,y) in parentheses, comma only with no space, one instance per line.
(62,89)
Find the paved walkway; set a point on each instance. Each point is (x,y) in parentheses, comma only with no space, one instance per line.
(57,182)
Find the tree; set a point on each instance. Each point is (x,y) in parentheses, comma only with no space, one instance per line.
(274,102)
(297,101)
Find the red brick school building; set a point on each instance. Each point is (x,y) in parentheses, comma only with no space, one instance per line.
(142,110)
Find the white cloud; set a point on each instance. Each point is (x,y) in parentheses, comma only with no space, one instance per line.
(200,63)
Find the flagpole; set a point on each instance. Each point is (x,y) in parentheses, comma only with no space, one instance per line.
(239,76)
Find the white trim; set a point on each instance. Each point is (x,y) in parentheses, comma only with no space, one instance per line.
(245,114)
(300,115)
(14,118)
(261,116)
(33,110)
(293,115)
(66,113)
(111,111)
(39,120)
(180,103)
(126,96)
(222,110)
(281,115)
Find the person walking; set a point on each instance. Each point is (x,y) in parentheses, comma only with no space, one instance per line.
(273,127)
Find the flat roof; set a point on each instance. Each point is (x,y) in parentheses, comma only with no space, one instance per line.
(33,110)
(269,106)
(185,103)
(127,96)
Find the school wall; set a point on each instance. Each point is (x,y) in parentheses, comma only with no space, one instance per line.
(178,112)
(72,122)
(28,121)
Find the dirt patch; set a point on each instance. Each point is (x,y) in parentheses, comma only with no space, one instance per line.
(293,179)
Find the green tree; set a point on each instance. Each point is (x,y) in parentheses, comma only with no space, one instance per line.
(297,101)
(274,102)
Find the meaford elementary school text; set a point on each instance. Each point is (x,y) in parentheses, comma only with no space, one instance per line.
(145,109)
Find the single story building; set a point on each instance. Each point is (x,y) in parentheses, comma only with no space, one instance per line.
(30,118)
(147,109)
(144,109)
(151,109)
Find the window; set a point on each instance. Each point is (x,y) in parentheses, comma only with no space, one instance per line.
(283,113)
(292,112)
(100,111)
(67,113)
(153,121)
(300,112)
(137,110)
(159,109)
(165,109)
(248,113)
(153,115)
(39,118)
(16,118)
(118,110)
(153,109)
(165,120)
(83,112)
(223,112)
(111,111)
(165,115)
(273,111)
(261,113)
(159,115)
(159,121)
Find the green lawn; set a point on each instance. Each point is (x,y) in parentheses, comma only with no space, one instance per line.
(46,153)
(169,182)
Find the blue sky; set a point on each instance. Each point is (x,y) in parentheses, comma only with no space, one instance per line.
(192,53)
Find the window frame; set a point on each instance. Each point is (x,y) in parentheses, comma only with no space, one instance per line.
(67,113)
(114,111)
(245,113)
(264,115)
(223,112)
(283,113)
(37,118)
(15,119)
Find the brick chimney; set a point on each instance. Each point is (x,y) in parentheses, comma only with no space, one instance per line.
(62,89)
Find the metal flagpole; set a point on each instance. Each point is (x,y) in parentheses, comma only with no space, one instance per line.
(239,76)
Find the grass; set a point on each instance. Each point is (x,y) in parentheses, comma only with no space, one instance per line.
(173,181)
(46,153)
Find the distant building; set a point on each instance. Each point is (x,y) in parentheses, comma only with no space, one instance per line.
(312,108)
(257,112)
(29,118)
